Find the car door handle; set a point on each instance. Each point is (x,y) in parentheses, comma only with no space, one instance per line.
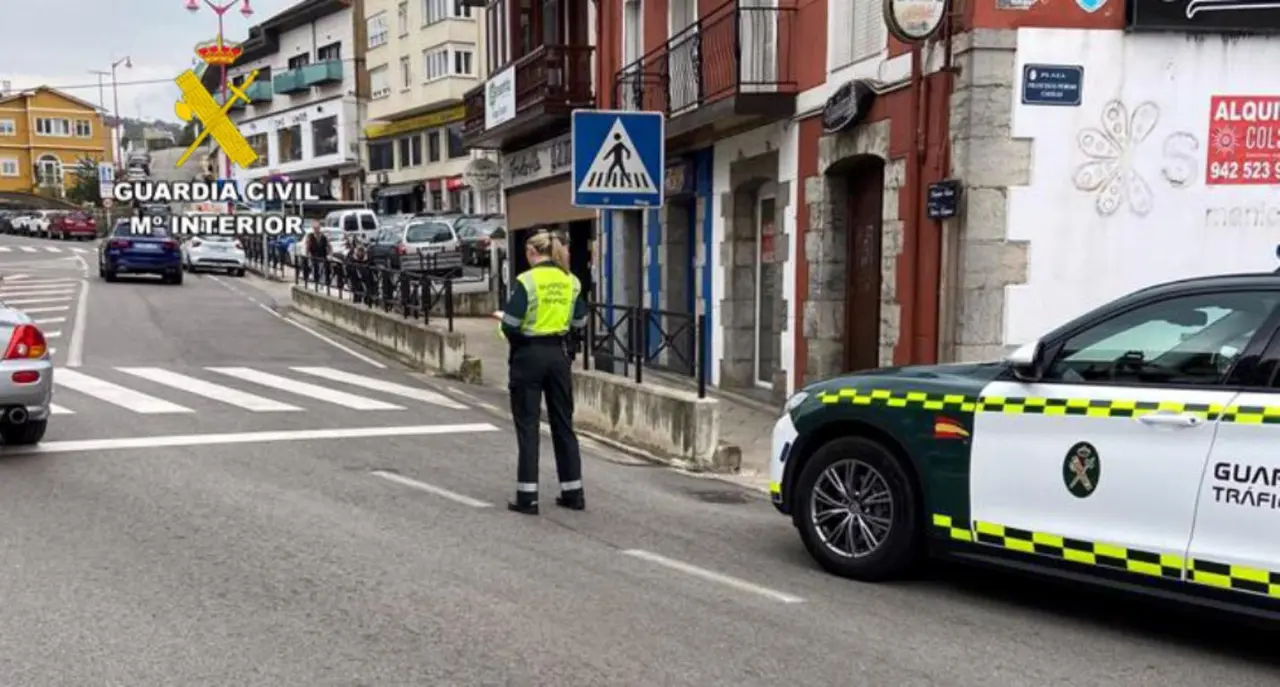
(1171,420)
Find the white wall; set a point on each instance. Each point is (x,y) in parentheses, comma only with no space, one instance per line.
(784,138)
(308,38)
(348,134)
(1154,154)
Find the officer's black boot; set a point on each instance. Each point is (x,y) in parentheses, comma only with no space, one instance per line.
(524,502)
(573,500)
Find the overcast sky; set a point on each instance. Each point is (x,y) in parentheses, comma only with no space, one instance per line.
(58,42)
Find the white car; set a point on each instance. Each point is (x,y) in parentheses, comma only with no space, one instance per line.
(39,223)
(220,253)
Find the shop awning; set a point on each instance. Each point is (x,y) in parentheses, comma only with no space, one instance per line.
(396,190)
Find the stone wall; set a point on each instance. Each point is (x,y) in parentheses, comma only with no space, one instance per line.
(826,249)
(988,161)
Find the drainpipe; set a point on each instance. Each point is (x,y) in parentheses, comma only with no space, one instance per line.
(948,241)
(911,238)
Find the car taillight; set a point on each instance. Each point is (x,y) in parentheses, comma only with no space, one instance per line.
(26,343)
(26,377)
(119,243)
(401,249)
(171,245)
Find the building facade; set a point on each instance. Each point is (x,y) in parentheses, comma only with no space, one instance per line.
(307,102)
(44,135)
(423,56)
(540,62)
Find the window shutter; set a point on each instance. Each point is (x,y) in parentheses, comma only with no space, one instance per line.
(842,13)
(870,35)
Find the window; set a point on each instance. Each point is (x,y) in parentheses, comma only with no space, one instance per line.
(324,136)
(632,26)
(428,232)
(402,18)
(379,82)
(260,145)
(381,157)
(456,149)
(329,53)
(462,63)
(368,222)
(377,29)
(436,63)
(290,140)
(411,151)
(299,61)
(8,168)
(8,127)
(49,171)
(1185,340)
(864,21)
(406,74)
(439,10)
(53,127)
(433,146)
(84,128)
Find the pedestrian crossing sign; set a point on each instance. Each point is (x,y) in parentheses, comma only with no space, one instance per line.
(618,159)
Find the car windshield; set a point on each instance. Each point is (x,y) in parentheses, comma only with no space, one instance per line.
(492,228)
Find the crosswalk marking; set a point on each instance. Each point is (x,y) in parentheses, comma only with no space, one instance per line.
(59,410)
(209,390)
(35,301)
(50,320)
(22,283)
(53,249)
(319,393)
(55,308)
(381,385)
(48,249)
(5,249)
(115,394)
(52,335)
(27,249)
(25,292)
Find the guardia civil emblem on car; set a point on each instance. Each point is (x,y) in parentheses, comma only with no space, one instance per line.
(1081,470)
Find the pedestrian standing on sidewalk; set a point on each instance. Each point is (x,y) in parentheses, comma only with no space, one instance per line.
(317,252)
(546,304)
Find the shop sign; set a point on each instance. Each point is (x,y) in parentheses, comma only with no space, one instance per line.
(1244,141)
(430,120)
(500,98)
(543,161)
(1210,16)
(914,21)
(847,107)
(482,174)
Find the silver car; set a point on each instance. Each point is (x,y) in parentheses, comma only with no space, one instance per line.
(26,380)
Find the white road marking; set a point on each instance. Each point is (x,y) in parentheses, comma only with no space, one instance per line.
(325,339)
(431,489)
(52,335)
(16,283)
(712,576)
(5,249)
(115,394)
(56,308)
(319,393)
(217,392)
(52,351)
(372,384)
(53,249)
(80,250)
(76,355)
(26,291)
(35,301)
(59,410)
(243,438)
(26,249)
(50,320)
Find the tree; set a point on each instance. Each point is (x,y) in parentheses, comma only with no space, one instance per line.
(84,184)
(188,135)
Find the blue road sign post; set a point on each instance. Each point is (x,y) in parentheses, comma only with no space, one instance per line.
(619,159)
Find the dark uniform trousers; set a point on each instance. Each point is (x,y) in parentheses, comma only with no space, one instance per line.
(540,367)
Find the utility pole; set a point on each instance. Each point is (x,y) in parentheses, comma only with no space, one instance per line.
(102,92)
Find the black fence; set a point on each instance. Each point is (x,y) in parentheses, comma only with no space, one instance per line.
(625,340)
(267,257)
(414,293)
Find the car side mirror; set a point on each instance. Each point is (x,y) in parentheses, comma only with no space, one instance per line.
(1027,363)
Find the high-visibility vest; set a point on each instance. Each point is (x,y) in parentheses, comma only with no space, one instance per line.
(551,294)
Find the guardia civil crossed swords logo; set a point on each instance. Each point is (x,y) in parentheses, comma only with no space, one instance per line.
(1081,470)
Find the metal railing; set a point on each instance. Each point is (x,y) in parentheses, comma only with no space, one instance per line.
(736,48)
(414,293)
(636,338)
(269,258)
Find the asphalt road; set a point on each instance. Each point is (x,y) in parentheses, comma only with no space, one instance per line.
(142,548)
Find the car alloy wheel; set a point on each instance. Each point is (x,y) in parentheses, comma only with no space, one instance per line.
(852,508)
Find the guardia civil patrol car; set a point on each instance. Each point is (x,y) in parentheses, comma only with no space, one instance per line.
(1136,446)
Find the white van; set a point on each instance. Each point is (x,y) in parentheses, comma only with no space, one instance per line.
(353,222)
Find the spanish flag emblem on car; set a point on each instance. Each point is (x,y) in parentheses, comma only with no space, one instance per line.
(946,428)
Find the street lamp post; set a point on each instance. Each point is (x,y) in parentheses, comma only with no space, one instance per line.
(115,105)
(221,8)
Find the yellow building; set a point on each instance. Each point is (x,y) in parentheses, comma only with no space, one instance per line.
(44,134)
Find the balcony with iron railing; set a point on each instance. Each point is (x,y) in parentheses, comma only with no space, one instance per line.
(549,84)
(731,70)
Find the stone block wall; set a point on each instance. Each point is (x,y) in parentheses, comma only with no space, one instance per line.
(989,161)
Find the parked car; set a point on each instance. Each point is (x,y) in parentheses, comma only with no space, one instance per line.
(478,236)
(361,222)
(26,392)
(420,236)
(73,225)
(40,222)
(127,253)
(6,221)
(222,253)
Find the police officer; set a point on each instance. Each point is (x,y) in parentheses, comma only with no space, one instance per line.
(546,303)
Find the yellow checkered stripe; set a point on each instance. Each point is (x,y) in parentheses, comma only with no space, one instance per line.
(902,399)
(1096,554)
(1236,578)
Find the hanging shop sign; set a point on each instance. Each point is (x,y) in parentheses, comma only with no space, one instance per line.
(847,107)
(913,21)
(1209,16)
(482,174)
